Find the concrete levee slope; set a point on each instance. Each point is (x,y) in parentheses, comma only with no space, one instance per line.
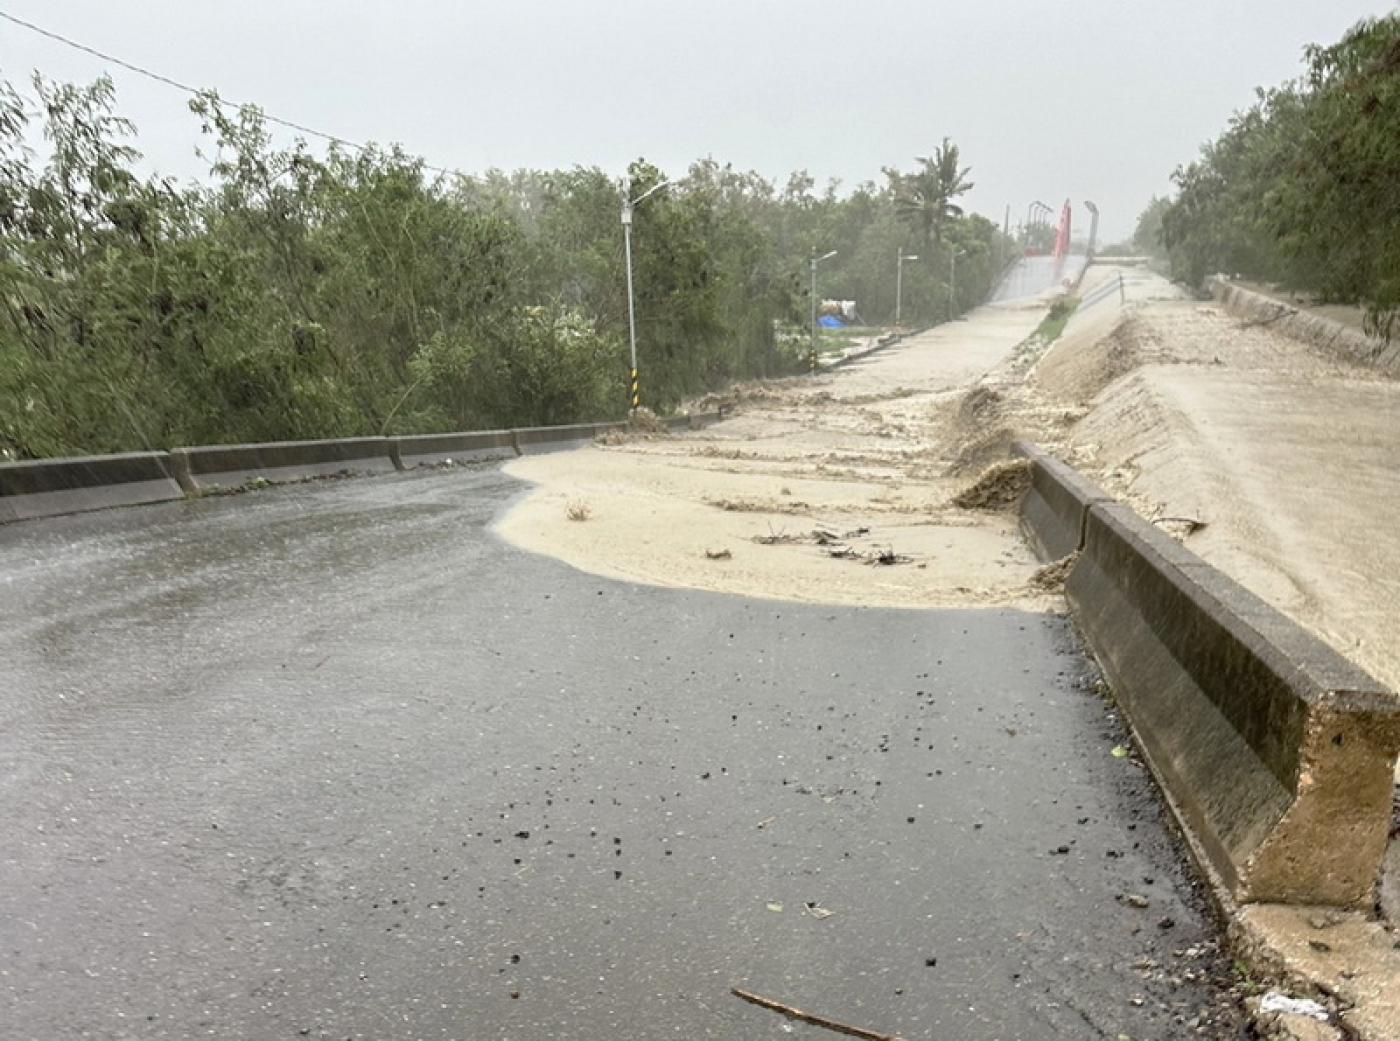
(1276,751)
(1056,504)
(210,467)
(49,487)
(472,446)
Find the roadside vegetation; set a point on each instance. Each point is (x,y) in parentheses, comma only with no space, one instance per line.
(1300,189)
(297,294)
(1055,320)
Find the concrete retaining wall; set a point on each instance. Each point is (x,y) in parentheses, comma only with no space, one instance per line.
(466,447)
(1276,751)
(49,487)
(1327,333)
(228,466)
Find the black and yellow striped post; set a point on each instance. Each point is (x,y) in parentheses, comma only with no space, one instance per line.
(636,395)
(812,360)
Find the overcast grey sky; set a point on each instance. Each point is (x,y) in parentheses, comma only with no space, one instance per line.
(1092,99)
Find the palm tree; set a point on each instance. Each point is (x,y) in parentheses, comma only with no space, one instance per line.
(924,198)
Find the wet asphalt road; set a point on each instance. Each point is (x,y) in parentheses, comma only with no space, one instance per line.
(332,761)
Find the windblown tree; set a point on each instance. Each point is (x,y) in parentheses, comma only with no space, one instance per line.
(298,293)
(925,198)
(1300,188)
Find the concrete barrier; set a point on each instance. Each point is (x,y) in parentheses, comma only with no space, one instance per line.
(466,447)
(888,340)
(1330,335)
(211,467)
(681,422)
(1056,504)
(50,487)
(1275,751)
(534,440)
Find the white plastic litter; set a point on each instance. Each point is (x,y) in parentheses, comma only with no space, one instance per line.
(1274,1001)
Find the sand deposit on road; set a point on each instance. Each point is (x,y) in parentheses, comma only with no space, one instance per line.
(1272,459)
(803,492)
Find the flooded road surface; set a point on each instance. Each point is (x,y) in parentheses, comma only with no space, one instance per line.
(332,761)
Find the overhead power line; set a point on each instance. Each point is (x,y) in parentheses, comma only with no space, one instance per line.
(194,91)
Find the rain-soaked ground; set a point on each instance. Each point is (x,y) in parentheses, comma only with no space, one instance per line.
(332,761)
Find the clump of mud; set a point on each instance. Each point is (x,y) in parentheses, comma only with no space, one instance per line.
(642,425)
(981,450)
(999,487)
(1052,577)
(643,421)
(980,404)
(761,392)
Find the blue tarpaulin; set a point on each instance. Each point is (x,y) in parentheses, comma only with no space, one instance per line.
(830,321)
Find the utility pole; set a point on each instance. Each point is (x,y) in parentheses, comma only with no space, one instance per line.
(900,258)
(634,393)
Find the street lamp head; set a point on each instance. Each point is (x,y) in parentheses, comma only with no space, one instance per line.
(826,256)
(650,191)
(909,256)
(1090,207)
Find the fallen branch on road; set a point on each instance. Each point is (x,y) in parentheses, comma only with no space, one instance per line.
(809,1017)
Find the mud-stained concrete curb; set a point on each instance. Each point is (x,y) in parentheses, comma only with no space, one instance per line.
(210,467)
(473,446)
(1276,750)
(1275,753)
(1347,959)
(1056,504)
(1279,752)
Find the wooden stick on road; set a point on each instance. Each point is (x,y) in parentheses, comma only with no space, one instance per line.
(808,1017)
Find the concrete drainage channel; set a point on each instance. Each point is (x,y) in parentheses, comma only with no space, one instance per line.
(51,487)
(1276,754)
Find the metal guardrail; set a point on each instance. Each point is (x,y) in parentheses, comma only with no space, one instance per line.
(1104,291)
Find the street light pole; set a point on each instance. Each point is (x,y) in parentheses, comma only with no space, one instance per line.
(634,392)
(812,353)
(953,278)
(1093,227)
(900,258)
(634,395)
(1034,214)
